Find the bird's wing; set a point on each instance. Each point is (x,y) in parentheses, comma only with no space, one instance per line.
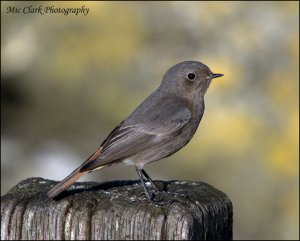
(159,122)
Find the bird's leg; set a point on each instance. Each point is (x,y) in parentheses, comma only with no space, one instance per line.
(144,185)
(156,187)
(150,197)
(150,180)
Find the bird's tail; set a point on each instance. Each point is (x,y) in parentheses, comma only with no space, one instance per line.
(76,174)
(64,184)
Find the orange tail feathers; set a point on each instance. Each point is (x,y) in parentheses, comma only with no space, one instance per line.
(76,174)
(64,184)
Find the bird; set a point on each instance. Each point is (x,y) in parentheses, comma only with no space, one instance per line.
(160,126)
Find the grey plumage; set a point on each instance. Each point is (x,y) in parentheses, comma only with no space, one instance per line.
(161,125)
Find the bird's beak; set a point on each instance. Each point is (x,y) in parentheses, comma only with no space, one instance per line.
(216,76)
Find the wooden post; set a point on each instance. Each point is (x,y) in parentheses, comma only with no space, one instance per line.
(115,210)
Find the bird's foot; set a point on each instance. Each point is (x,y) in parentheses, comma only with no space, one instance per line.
(181,195)
(165,197)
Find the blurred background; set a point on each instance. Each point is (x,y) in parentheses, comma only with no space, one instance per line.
(67,81)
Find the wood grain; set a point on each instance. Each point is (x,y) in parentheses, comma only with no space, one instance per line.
(115,210)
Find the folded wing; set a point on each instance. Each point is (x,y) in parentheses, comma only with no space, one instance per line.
(161,120)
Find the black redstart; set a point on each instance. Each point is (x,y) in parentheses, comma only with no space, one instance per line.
(160,126)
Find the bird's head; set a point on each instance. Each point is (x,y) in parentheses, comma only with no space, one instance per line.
(188,79)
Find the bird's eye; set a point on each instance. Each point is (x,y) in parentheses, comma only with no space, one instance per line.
(191,76)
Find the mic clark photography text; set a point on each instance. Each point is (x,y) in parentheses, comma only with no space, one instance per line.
(47,10)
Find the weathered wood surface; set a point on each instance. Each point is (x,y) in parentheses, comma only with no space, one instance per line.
(114,210)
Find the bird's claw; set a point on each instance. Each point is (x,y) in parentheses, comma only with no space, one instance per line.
(166,194)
